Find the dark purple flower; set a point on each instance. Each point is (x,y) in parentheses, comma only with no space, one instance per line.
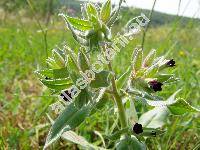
(137,128)
(155,85)
(170,63)
(66,95)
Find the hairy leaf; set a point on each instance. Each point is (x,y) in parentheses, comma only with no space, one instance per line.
(153,69)
(130,143)
(181,106)
(151,132)
(101,80)
(79,24)
(99,105)
(114,15)
(137,59)
(83,98)
(160,103)
(73,69)
(69,119)
(91,10)
(107,32)
(76,36)
(131,112)
(123,78)
(58,57)
(52,63)
(57,84)
(149,58)
(96,23)
(45,73)
(141,84)
(53,73)
(83,61)
(60,73)
(117,134)
(164,77)
(77,139)
(105,11)
(154,118)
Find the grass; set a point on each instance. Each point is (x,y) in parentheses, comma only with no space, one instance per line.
(24,101)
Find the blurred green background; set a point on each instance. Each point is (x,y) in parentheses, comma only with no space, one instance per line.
(30,29)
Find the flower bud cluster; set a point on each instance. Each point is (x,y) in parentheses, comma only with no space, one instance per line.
(147,73)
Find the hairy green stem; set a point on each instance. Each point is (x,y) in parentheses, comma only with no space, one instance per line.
(118,100)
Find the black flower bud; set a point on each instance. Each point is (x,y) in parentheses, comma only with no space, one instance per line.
(155,85)
(170,63)
(137,128)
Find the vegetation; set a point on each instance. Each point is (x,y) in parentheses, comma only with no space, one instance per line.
(24,102)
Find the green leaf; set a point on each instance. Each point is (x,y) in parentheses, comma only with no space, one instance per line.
(154,118)
(61,52)
(105,11)
(96,23)
(90,33)
(114,15)
(137,59)
(149,58)
(83,61)
(107,32)
(99,105)
(153,69)
(59,59)
(83,98)
(77,139)
(123,79)
(141,84)
(151,132)
(91,10)
(131,112)
(79,24)
(53,73)
(132,27)
(140,94)
(73,69)
(181,106)
(159,103)
(130,143)
(52,63)
(57,84)
(75,34)
(164,77)
(84,11)
(101,80)
(45,73)
(60,73)
(94,42)
(117,134)
(69,119)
